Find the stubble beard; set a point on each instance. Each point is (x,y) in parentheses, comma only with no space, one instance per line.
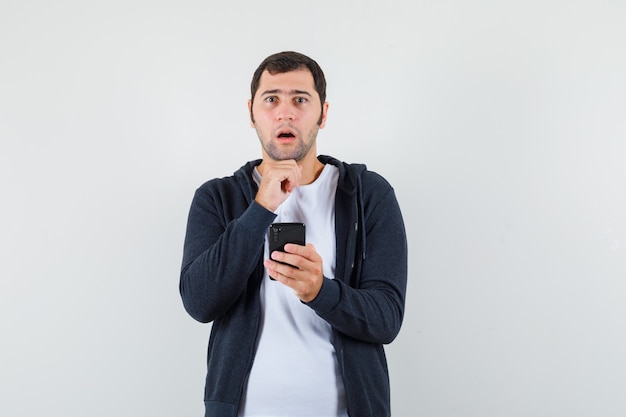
(301,149)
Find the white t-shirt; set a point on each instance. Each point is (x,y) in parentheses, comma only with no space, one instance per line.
(295,371)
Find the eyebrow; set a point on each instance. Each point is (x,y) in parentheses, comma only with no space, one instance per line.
(291,92)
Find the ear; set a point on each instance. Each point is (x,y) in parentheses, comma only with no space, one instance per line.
(324,114)
(250,113)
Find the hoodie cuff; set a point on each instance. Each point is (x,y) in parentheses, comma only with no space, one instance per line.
(328,297)
(257,218)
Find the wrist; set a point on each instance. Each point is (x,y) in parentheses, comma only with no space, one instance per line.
(265,204)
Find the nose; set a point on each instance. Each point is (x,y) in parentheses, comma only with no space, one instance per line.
(285,112)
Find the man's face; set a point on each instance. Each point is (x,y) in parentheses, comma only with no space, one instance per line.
(286,115)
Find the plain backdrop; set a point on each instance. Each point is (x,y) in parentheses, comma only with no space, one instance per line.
(500,124)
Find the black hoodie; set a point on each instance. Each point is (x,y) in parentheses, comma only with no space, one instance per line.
(223,266)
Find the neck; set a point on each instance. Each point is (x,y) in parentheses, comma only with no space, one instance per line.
(311,171)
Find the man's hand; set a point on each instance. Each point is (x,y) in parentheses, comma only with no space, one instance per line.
(278,180)
(305,277)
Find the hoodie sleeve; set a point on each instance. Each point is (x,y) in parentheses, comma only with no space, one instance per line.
(371,308)
(220,254)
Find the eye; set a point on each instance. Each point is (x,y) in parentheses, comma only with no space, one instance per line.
(301,100)
(270,99)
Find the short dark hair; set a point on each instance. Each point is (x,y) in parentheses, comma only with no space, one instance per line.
(290,61)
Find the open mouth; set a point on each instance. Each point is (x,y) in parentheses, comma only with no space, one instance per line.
(285,134)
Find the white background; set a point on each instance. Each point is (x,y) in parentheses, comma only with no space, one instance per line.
(501,125)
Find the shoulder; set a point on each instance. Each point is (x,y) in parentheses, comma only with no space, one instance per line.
(356,175)
(235,190)
(216,184)
(240,178)
(374,181)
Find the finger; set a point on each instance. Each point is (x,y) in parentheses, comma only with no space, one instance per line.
(291,180)
(307,251)
(293,248)
(293,261)
(281,272)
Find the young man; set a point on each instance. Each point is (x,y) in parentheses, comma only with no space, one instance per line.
(309,341)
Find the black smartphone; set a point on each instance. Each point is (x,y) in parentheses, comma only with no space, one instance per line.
(281,233)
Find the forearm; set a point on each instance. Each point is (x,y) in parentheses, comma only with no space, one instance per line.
(373,311)
(371,314)
(218,260)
